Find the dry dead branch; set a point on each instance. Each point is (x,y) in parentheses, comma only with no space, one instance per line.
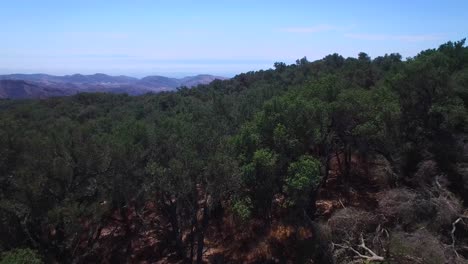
(452,233)
(373,256)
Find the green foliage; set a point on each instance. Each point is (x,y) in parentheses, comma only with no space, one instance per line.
(371,116)
(20,256)
(303,178)
(459,83)
(68,164)
(243,208)
(259,178)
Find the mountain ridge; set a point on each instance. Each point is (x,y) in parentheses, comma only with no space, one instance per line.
(39,85)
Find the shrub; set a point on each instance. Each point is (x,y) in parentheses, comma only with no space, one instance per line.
(426,172)
(382,172)
(21,256)
(447,208)
(347,224)
(418,247)
(406,208)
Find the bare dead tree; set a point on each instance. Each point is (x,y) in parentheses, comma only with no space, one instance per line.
(369,255)
(452,233)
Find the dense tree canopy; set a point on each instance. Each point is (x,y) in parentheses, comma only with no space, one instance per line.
(72,166)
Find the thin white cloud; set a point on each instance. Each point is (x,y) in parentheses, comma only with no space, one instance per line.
(403,38)
(311,29)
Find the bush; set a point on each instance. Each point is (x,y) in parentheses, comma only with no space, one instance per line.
(418,247)
(406,208)
(448,208)
(426,172)
(382,172)
(347,224)
(412,210)
(21,256)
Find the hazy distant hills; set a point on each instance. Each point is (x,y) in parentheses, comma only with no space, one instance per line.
(19,89)
(16,86)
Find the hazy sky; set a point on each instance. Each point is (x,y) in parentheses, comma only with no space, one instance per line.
(174,38)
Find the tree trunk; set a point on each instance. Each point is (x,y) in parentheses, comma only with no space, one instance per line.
(201,234)
(340,168)
(347,156)
(327,167)
(312,208)
(173,219)
(192,236)
(347,162)
(324,254)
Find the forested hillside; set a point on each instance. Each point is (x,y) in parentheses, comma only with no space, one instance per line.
(340,160)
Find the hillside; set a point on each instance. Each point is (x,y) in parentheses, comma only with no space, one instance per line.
(19,89)
(43,85)
(339,160)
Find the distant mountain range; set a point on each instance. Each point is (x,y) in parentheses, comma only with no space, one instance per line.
(23,86)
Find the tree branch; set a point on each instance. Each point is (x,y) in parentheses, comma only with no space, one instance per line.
(452,233)
(372,257)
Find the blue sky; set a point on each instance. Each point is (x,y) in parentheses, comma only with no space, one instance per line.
(175,37)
